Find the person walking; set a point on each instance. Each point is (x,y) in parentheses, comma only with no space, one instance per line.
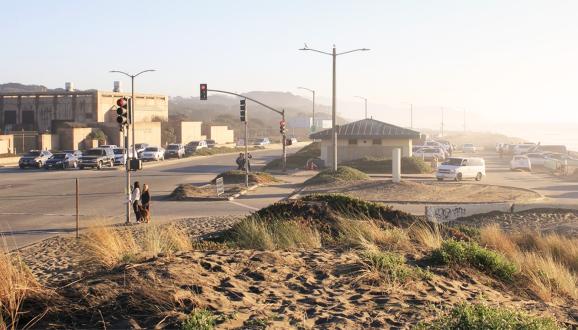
(135,198)
(240,161)
(248,160)
(145,199)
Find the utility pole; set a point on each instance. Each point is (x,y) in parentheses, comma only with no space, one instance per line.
(284,138)
(313,112)
(130,124)
(411,115)
(334,127)
(364,99)
(464,120)
(442,131)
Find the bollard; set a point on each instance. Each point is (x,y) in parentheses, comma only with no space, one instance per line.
(396,165)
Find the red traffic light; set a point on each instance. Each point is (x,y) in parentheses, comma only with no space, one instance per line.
(121,102)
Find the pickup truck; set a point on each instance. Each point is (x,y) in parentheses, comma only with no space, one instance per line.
(98,158)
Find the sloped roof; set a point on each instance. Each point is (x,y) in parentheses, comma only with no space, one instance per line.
(368,128)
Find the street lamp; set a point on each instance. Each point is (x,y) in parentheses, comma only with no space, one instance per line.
(131,123)
(333,54)
(410,113)
(364,99)
(313,113)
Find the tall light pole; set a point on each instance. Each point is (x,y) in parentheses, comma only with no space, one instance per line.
(364,99)
(334,55)
(442,131)
(312,128)
(464,120)
(130,123)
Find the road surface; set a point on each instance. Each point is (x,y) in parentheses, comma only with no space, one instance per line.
(37,204)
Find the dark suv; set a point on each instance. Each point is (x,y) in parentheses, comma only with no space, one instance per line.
(98,157)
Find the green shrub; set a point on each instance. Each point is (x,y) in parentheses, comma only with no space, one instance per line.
(390,265)
(479,316)
(470,253)
(200,319)
(342,174)
(298,159)
(409,165)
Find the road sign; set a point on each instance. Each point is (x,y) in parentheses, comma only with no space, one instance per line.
(220,186)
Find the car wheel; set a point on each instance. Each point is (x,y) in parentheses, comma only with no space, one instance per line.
(111,163)
(39,165)
(478,176)
(459,177)
(21,167)
(81,167)
(46,167)
(99,165)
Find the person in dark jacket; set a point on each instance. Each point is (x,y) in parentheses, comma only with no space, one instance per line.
(145,199)
(240,161)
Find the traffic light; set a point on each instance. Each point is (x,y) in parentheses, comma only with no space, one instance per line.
(282,127)
(122,112)
(243,111)
(203,92)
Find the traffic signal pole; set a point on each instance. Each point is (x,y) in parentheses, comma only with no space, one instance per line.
(284,141)
(127,166)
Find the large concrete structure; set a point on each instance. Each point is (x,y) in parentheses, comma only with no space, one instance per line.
(221,134)
(190,131)
(46,112)
(366,138)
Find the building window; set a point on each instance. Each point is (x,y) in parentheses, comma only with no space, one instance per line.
(376,141)
(352,141)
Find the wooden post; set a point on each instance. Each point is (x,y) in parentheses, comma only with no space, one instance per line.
(76,207)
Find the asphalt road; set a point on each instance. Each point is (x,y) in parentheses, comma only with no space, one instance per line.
(37,204)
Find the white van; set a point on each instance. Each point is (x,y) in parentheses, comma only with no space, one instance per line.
(461,168)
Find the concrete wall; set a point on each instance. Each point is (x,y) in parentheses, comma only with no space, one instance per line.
(146,107)
(189,131)
(221,134)
(148,132)
(6,144)
(365,148)
(73,138)
(48,142)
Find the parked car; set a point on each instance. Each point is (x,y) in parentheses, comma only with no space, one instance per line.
(469,147)
(195,146)
(520,149)
(119,156)
(461,168)
(429,153)
(537,158)
(61,160)
(562,158)
(111,146)
(175,150)
(292,141)
(262,142)
(34,158)
(97,158)
(520,162)
(211,143)
(75,153)
(140,147)
(153,153)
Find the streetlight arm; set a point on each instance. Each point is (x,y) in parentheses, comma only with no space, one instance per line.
(149,70)
(315,50)
(307,89)
(124,73)
(355,50)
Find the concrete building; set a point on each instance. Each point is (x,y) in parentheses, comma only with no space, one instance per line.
(366,138)
(190,131)
(221,134)
(47,112)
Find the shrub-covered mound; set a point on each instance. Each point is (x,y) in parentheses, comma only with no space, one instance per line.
(409,165)
(343,174)
(236,176)
(223,150)
(298,159)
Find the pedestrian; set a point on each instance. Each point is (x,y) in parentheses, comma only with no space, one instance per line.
(145,200)
(249,156)
(240,161)
(135,198)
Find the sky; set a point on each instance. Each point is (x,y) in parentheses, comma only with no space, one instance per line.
(507,61)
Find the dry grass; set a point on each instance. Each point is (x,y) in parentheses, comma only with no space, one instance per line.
(16,283)
(427,234)
(549,263)
(256,233)
(360,232)
(111,246)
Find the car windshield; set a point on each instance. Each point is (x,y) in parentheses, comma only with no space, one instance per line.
(173,147)
(454,162)
(139,146)
(118,151)
(94,152)
(59,156)
(194,144)
(33,154)
(152,149)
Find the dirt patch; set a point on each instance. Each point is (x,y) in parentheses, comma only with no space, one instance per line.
(424,191)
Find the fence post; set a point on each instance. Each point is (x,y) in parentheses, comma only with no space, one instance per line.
(76,207)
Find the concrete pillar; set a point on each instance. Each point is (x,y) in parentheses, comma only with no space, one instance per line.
(396,165)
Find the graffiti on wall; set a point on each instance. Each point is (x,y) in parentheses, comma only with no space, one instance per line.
(445,213)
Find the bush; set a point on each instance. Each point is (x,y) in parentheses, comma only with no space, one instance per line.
(409,165)
(298,159)
(479,316)
(390,266)
(470,253)
(200,319)
(342,174)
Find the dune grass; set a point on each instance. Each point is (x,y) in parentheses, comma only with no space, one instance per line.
(110,246)
(342,174)
(16,283)
(409,165)
(427,234)
(480,316)
(200,319)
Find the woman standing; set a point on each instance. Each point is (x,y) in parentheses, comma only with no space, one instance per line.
(146,203)
(135,198)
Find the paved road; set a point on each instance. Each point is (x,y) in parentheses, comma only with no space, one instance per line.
(37,204)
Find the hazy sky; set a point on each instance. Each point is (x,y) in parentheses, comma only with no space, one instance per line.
(501,59)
